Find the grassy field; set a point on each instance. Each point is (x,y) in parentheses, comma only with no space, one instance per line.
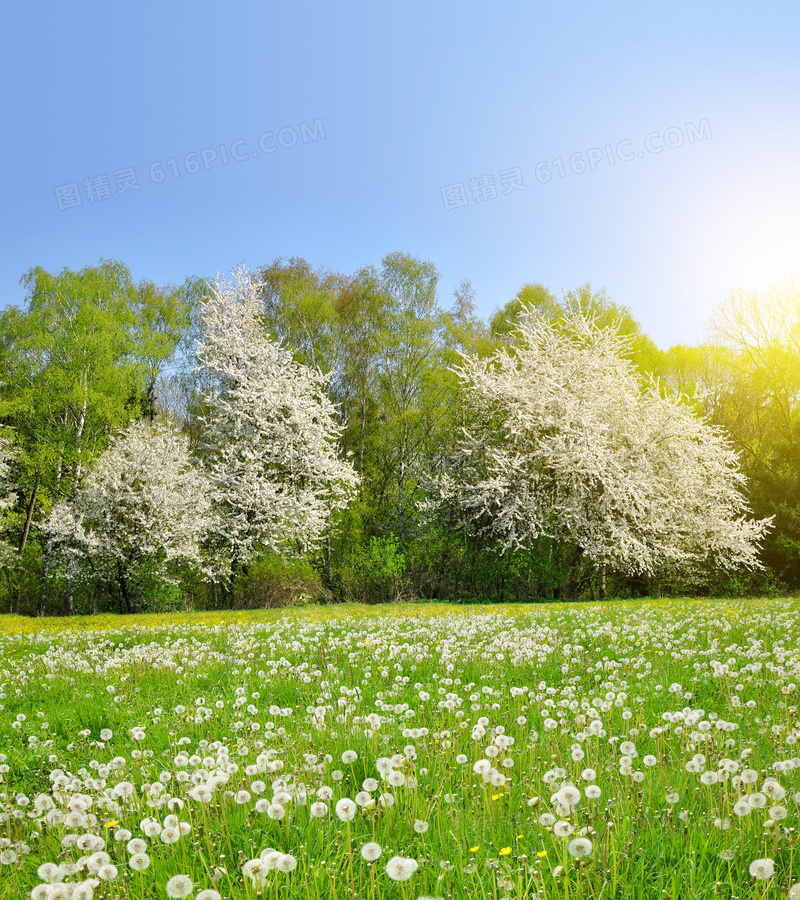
(629,750)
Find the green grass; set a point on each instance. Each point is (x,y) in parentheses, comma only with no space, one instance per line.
(178,677)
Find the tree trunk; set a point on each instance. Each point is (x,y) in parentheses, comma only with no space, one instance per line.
(601,582)
(48,555)
(28,519)
(123,585)
(327,563)
(401,482)
(69,600)
(78,438)
(361,449)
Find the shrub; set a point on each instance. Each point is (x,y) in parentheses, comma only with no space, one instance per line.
(271,582)
(374,573)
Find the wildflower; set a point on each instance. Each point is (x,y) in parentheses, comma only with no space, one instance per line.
(541,854)
(482,767)
(209,894)
(773,790)
(579,847)
(420,826)
(287,863)
(50,872)
(139,862)
(505,851)
(401,868)
(108,872)
(371,851)
(83,891)
(318,810)
(794,891)
(569,795)
(269,858)
(346,809)
(761,869)
(474,849)
(562,829)
(179,886)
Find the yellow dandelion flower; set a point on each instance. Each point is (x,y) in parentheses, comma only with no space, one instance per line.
(542,853)
(505,851)
(474,849)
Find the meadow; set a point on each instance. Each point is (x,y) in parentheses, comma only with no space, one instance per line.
(615,750)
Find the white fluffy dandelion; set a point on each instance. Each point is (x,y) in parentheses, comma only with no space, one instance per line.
(346,809)
(761,869)
(580,847)
(371,851)
(179,886)
(287,863)
(401,868)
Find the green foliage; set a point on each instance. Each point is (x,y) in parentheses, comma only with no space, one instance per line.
(272,581)
(374,573)
(92,349)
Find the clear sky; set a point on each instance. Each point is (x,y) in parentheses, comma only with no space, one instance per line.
(349,120)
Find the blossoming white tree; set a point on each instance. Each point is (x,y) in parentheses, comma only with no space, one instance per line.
(269,431)
(568,444)
(7,498)
(145,502)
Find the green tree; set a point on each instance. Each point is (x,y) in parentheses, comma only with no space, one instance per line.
(758,333)
(78,362)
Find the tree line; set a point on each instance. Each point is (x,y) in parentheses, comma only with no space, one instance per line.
(293,433)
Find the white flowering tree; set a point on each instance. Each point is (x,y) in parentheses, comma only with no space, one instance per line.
(270,433)
(144,504)
(7,498)
(569,444)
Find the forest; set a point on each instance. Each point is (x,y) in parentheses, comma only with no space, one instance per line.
(289,435)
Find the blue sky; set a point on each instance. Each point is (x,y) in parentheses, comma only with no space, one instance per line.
(411,98)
